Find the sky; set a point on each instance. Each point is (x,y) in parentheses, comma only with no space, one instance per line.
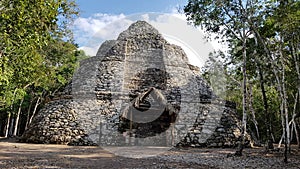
(102,20)
(126,7)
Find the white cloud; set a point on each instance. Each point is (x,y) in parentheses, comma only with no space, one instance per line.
(214,42)
(86,28)
(146,17)
(91,51)
(92,31)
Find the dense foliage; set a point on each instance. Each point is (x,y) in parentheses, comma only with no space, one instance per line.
(37,57)
(263,38)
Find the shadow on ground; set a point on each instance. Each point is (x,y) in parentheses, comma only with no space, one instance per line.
(21,155)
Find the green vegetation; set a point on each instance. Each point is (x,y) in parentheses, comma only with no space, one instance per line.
(263,38)
(37,57)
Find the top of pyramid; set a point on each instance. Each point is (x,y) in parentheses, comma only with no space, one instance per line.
(138,29)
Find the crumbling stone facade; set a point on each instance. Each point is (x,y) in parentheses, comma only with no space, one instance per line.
(121,78)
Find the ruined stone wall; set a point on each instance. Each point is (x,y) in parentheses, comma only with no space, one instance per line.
(57,123)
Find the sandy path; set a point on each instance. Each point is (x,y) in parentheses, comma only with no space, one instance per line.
(20,155)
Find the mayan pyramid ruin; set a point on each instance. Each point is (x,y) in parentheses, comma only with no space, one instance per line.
(138,90)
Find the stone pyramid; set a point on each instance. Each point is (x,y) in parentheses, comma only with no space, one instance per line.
(140,87)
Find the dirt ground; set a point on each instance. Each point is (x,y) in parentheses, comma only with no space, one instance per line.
(20,155)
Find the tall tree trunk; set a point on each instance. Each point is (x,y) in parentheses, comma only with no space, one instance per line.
(244,93)
(294,50)
(16,127)
(34,111)
(294,125)
(263,42)
(11,126)
(283,122)
(285,107)
(266,110)
(239,152)
(253,112)
(298,113)
(268,120)
(28,114)
(281,86)
(7,127)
